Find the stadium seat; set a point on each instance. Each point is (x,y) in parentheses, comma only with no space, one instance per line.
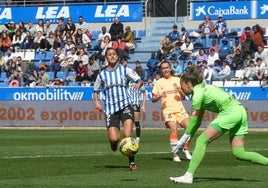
(141,33)
(50,74)
(255,83)
(73,84)
(239,74)
(95,34)
(217,83)
(229,83)
(40,56)
(61,75)
(49,55)
(29,55)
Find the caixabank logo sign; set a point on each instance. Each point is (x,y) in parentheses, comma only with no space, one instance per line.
(91,13)
(230,10)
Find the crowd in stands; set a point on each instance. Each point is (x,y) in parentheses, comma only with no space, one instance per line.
(72,47)
(207,47)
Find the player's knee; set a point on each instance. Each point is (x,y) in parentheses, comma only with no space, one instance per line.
(202,139)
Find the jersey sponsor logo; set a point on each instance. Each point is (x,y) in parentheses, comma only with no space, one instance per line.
(52,12)
(112,11)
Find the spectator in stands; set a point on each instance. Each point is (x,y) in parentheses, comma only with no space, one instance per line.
(215,46)
(188,67)
(220,27)
(48,28)
(93,68)
(40,26)
(250,70)
(237,60)
(105,44)
(247,33)
(61,26)
(85,39)
(21,27)
(257,36)
(82,56)
(152,65)
(103,34)
(261,53)
(69,46)
(245,82)
(206,28)
(264,83)
(81,24)
(70,26)
(12,70)
(128,38)
(201,57)
(212,57)
(225,48)
(186,49)
(17,40)
(260,70)
(70,61)
(216,69)
(11,28)
(81,72)
(166,48)
(58,42)
(57,60)
(246,47)
(116,29)
(22,68)
(121,48)
(80,45)
(37,40)
(225,72)
(174,35)
(176,68)
(5,42)
(207,72)
(139,70)
(27,42)
(31,28)
(2,62)
(236,46)
(44,76)
(9,55)
(184,34)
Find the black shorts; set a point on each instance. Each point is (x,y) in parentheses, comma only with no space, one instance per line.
(122,115)
(136,108)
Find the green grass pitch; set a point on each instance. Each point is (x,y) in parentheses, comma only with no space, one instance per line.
(82,158)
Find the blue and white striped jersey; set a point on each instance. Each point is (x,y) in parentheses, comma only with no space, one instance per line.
(135,95)
(114,85)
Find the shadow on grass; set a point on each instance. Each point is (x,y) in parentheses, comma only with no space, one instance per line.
(205,179)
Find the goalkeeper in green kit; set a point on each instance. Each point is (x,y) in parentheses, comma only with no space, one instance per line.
(231,117)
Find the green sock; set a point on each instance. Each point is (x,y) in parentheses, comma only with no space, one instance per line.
(199,153)
(240,153)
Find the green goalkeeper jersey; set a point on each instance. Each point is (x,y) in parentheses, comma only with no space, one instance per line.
(211,98)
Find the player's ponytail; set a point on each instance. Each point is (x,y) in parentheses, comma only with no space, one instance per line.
(195,76)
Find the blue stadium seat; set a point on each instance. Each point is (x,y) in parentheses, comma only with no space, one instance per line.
(95,34)
(141,33)
(49,55)
(40,55)
(74,84)
(61,75)
(50,74)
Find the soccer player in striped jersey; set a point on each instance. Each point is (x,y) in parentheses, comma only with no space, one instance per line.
(232,118)
(138,98)
(112,81)
(168,90)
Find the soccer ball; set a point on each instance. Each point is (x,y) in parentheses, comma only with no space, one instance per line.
(129,146)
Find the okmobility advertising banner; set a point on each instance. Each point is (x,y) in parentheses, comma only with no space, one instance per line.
(91,13)
(73,107)
(231,10)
